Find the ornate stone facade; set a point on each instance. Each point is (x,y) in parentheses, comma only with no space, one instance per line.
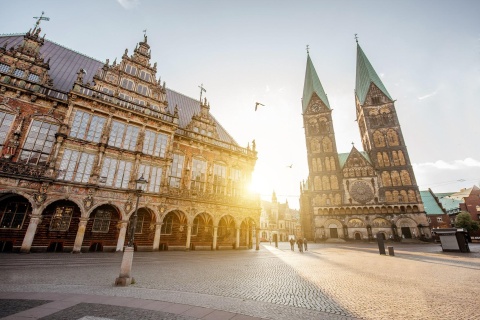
(75,135)
(359,194)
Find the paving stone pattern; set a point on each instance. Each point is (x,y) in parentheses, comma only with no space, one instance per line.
(341,281)
(12,306)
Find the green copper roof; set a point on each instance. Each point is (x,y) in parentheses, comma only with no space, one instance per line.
(430,204)
(312,84)
(342,157)
(365,76)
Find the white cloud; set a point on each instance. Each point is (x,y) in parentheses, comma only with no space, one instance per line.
(455,165)
(468,162)
(129,4)
(428,95)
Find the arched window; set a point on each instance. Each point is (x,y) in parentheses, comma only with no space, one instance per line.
(378,139)
(401,157)
(39,143)
(326,183)
(396,181)
(61,218)
(319,164)
(315,145)
(406,181)
(334,182)
(386,159)
(387,182)
(392,137)
(327,164)
(396,161)
(327,144)
(317,183)
(13,212)
(101,220)
(380,159)
(388,196)
(332,164)
(411,196)
(314,165)
(167,224)
(6,121)
(199,171)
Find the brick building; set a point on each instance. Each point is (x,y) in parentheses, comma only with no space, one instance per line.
(359,194)
(278,221)
(75,135)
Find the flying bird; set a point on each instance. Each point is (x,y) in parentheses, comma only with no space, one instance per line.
(290,166)
(258,104)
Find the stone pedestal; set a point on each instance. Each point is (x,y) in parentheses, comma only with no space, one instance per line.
(125,278)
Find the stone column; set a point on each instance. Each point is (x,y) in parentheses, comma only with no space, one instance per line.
(156,239)
(214,245)
(35,219)
(189,237)
(237,240)
(257,238)
(121,235)
(247,240)
(77,246)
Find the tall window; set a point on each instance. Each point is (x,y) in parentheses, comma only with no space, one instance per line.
(236,176)
(123,136)
(199,170)
(61,218)
(144,75)
(13,214)
(39,143)
(167,225)
(116,172)
(127,84)
(131,70)
(4,68)
(76,166)
(153,175)
(143,90)
(101,222)
(176,170)
(6,120)
(219,178)
(155,144)
(86,126)
(33,77)
(140,219)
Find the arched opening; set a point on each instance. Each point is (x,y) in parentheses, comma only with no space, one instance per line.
(202,232)
(357,236)
(333,231)
(144,230)
(173,231)
(58,229)
(15,213)
(101,232)
(226,232)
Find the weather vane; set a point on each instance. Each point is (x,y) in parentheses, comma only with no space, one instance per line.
(202,89)
(40,19)
(356,37)
(145,32)
(308,47)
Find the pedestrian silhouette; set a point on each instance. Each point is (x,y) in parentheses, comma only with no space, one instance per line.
(292,244)
(305,243)
(300,244)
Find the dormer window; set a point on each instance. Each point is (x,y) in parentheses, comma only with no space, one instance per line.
(143,90)
(33,77)
(144,75)
(18,73)
(131,70)
(108,91)
(376,100)
(127,84)
(4,68)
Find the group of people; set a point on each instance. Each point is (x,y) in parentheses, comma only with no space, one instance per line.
(301,243)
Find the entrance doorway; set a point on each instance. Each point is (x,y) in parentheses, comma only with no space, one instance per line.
(333,233)
(406,232)
(358,236)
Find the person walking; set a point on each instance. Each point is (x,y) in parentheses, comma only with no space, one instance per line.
(305,243)
(292,244)
(300,244)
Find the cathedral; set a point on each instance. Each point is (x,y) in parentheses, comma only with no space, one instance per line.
(363,193)
(76,134)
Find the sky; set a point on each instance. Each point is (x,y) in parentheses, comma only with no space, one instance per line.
(427,54)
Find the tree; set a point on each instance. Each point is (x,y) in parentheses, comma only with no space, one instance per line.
(464,220)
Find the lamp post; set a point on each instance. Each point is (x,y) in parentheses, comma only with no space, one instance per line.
(125,278)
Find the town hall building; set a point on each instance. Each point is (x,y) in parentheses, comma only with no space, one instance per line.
(363,193)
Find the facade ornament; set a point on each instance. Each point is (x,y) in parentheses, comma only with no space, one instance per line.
(88,202)
(128,206)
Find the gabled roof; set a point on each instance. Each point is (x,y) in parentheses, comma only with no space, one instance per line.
(366,75)
(312,84)
(430,203)
(65,63)
(343,157)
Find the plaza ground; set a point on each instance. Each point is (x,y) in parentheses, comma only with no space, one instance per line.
(329,281)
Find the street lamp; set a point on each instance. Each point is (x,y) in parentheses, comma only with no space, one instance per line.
(125,278)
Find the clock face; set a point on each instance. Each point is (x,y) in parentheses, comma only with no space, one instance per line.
(361,191)
(315,107)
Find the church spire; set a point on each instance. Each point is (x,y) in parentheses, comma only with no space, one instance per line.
(366,75)
(312,85)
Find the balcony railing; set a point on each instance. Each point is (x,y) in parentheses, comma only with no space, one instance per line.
(14,169)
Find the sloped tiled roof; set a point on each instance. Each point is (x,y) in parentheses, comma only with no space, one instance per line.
(312,84)
(365,76)
(430,204)
(65,63)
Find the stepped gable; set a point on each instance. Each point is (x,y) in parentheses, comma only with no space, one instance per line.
(65,63)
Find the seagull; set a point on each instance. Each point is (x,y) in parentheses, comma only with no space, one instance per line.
(290,166)
(258,104)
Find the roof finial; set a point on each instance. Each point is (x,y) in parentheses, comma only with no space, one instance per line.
(308,47)
(202,89)
(145,35)
(356,38)
(40,18)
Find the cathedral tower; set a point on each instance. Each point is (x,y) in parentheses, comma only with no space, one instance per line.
(324,170)
(382,136)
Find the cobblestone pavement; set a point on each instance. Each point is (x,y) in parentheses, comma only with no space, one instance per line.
(330,281)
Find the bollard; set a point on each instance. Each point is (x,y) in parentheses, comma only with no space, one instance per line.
(390,251)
